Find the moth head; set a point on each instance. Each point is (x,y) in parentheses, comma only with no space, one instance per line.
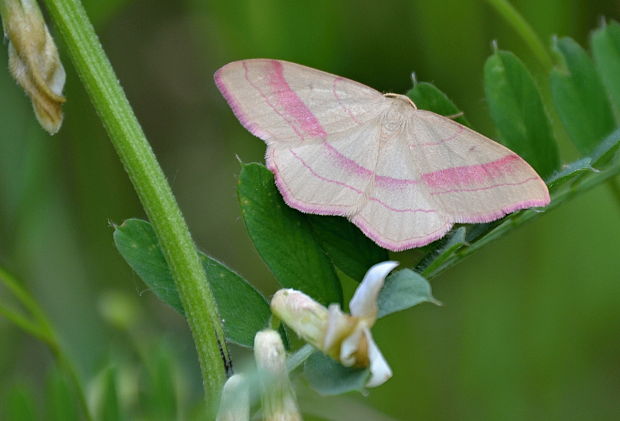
(404,98)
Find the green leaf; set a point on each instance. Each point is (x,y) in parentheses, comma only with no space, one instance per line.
(284,238)
(404,289)
(570,172)
(60,403)
(518,113)
(137,242)
(475,232)
(606,50)
(427,96)
(110,409)
(329,377)
(449,245)
(18,404)
(579,96)
(602,156)
(348,248)
(244,310)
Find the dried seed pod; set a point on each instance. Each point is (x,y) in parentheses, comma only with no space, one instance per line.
(34,60)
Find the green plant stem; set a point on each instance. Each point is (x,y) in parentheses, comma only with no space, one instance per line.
(296,359)
(520,25)
(151,186)
(20,321)
(43,331)
(65,363)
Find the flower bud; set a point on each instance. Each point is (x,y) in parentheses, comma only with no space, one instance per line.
(278,397)
(235,401)
(34,60)
(323,328)
(302,314)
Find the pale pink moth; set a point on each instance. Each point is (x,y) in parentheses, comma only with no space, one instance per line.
(404,176)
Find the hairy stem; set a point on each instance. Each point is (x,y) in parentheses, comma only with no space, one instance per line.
(150,184)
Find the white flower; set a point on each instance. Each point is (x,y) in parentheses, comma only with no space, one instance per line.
(235,400)
(278,398)
(344,337)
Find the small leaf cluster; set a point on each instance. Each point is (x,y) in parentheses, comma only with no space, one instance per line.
(579,99)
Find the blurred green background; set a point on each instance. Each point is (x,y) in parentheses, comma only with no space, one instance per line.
(529,329)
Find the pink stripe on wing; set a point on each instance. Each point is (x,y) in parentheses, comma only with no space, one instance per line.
(268,101)
(273,166)
(236,108)
(291,103)
(347,163)
(353,167)
(320,177)
(307,207)
(471,174)
(492,186)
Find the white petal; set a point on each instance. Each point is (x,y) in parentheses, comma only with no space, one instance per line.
(380,371)
(302,314)
(269,352)
(278,397)
(350,346)
(338,324)
(364,301)
(235,400)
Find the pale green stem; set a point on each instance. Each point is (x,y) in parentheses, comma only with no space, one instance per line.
(21,322)
(151,185)
(520,25)
(296,359)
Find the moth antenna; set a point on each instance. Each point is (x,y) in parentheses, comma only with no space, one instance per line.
(455,116)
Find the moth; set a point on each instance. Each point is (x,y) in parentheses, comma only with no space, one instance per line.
(404,176)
